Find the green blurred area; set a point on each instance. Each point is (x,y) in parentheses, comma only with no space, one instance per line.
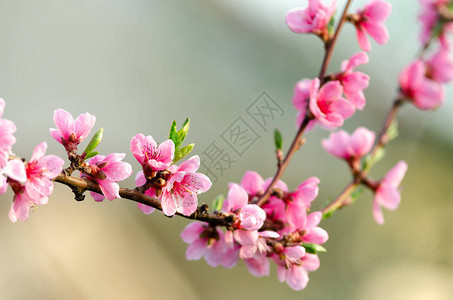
(138,65)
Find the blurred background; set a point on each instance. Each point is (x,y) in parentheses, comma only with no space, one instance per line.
(140,64)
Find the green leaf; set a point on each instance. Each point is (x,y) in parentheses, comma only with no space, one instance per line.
(97,138)
(218,203)
(183,152)
(392,131)
(313,248)
(328,214)
(330,26)
(278,139)
(356,193)
(183,132)
(370,160)
(91,154)
(173,133)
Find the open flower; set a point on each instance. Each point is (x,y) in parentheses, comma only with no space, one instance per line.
(342,145)
(40,171)
(7,139)
(387,194)
(151,155)
(208,242)
(371,21)
(440,66)
(295,266)
(70,133)
(327,104)
(107,171)
(251,216)
(354,82)
(313,19)
(424,93)
(183,186)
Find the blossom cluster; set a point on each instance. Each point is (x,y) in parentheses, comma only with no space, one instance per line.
(31,182)
(280,231)
(423,81)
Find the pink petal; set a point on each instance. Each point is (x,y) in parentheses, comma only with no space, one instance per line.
(258,266)
(295,253)
(297,278)
(145,208)
(301,94)
(237,198)
(169,204)
(83,125)
(296,214)
(39,151)
(246,238)
(337,144)
(64,122)
(39,187)
(316,235)
(97,197)
(140,179)
(117,171)
(55,133)
(3,184)
(52,164)
(15,169)
(364,43)
(192,232)
(2,106)
(230,258)
(196,250)
(191,165)
(313,219)
(214,255)
(377,10)
(377,31)
(252,183)
(377,212)
(310,262)
(109,188)
(396,174)
(388,197)
(361,141)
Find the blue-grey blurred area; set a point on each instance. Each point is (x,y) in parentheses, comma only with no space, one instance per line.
(140,64)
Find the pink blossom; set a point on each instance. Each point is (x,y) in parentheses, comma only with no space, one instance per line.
(149,153)
(70,133)
(139,181)
(311,232)
(354,82)
(259,265)
(183,186)
(251,216)
(301,96)
(313,19)
(387,194)
(40,171)
(295,267)
(342,145)
(14,169)
(430,18)
(207,241)
(253,242)
(440,66)
(107,171)
(300,202)
(424,93)
(7,139)
(327,104)
(371,21)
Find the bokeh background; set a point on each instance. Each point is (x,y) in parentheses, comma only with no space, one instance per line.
(138,65)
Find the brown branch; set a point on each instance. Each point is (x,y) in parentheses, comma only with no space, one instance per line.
(80,185)
(295,145)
